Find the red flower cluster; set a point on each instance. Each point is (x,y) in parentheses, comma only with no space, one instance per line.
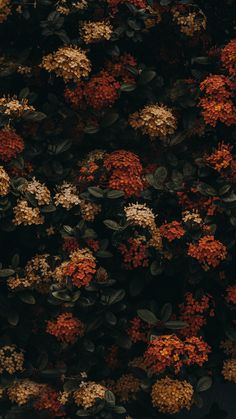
(136,331)
(208,251)
(87,173)
(195,312)
(102,90)
(172,231)
(125,172)
(134,253)
(48,401)
(11,144)
(228,57)
(217,105)
(66,328)
(76,97)
(170,351)
(119,69)
(231,294)
(70,245)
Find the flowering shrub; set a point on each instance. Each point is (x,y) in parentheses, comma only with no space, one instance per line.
(117,208)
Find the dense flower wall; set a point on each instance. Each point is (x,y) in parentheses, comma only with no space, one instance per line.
(117,206)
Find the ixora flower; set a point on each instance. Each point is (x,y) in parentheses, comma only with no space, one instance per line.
(70,63)
(95,31)
(89,393)
(229,369)
(5,10)
(22,391)
(154,121)
(228,57)
(208,251)
(171,396)
(66,328)
(11,144)
(4,182)
(11,360)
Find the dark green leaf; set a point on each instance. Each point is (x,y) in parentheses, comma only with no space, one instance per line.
(147,316)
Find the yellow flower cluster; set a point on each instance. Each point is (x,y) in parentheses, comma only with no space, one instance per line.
(67,196)
(65,8)
(4,182)
(11,360)
(24,69)
(229,370)
(127,387)
(39,190)
(153,19)
(88,393)
(5,10)
(170,396)
(154,121)
(22,391)
(38,275)
(95,31)
(190,23)
(70,63)
(26,215)
(13,107)
(192,217)
(142,216)
(89,210)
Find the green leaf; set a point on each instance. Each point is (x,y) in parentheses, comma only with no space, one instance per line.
(4,273)
(110,398)
(115,194)
(82,413)
(15,261)
(96,192)
(104,254)
(27,298)
(204,383)
(125,87)
(119,410)
(147,316)
(207,190)
(13,318)
(166,312)
(113,225)
(61,295)
(160,174)
(175,324)
(109,119)
(230,198)
(146,76)
(155,268)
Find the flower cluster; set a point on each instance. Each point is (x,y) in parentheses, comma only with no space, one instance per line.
(221,158)
(170,396)
(168,351)
(22,391)
(195,311)
(154,121)
(102,90)
(231,294)
(48,400)
(172,231)
(11,360)
(125,172)
(134,253)
(79,269)
(88,393)
(4,182)
(12,107)
(26,215)
(5,10)
(11,144)
(66,196)
(208,251)
(217,105)
(137,330)
(95,31)
(66,328)
(228,57)
(127,387)
(190,22)
(70,63)
(229,370)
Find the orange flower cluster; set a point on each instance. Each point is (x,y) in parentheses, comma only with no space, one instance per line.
(221,87)
(228,57)
(163,352)
(134,253)
(49,401)
(221,158)
(125,172)
(93,244)
(170,396)
(196,351)
(195,312)
(172,231)
(217,105)
(170,351)
(87,172)
(208,251)
(80,268)
(136,331)
(231,294)
(75,97)
(11,144)
(66,328)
